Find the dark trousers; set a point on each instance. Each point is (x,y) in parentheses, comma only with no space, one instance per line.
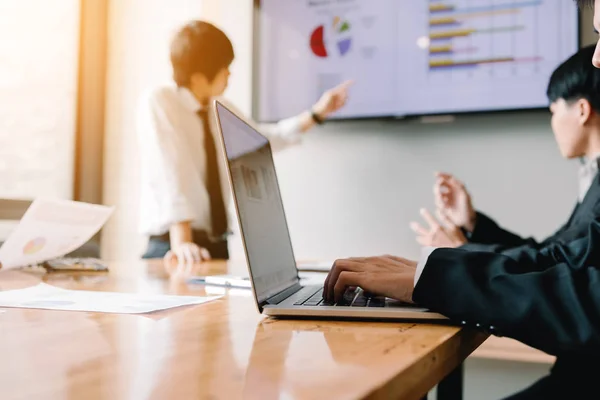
(159,246)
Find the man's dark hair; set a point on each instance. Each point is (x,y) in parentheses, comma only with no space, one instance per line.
(576,79)
(199,47)
(584,3)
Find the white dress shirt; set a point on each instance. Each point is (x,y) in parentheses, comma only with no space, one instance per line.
(425,253)
(587,173)
(173,160)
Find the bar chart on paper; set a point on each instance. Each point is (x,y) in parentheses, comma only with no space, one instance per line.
(487,38)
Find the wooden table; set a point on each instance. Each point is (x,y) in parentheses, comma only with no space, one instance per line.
(502,348)
(220,350)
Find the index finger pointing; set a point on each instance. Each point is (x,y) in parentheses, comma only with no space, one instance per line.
(342,87)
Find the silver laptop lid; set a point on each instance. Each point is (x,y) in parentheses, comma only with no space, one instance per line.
(259,206)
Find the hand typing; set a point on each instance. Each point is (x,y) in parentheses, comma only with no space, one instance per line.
(387,276)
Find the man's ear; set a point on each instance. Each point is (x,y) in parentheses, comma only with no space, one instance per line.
(198,79)
(584,110)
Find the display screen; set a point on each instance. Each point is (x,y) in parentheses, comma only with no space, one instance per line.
(259,205)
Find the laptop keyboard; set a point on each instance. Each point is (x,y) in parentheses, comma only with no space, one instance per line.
(310,298)
(352,298)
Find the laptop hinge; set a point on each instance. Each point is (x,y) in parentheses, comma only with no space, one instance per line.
(279,297)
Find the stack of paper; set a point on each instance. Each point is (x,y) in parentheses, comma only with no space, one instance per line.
(51,229)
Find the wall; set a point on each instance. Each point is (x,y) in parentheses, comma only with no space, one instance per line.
(38,91)
(352,188)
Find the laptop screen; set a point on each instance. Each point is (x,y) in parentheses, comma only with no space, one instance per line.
(260,208)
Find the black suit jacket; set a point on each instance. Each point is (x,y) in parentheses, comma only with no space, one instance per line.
(489,236)
(548,299)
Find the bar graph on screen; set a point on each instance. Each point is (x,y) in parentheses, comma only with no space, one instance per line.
(485,38)
(413,57)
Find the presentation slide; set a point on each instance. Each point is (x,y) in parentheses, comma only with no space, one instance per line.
(410,57)
(309,46)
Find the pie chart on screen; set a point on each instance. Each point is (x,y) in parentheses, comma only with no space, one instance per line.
(340,35)
(34,246)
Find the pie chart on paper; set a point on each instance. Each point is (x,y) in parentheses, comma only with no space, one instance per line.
(34,246)
(340,35)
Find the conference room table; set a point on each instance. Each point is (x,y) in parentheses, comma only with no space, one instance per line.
(223,349)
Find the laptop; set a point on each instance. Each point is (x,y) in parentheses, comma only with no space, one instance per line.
(277,288)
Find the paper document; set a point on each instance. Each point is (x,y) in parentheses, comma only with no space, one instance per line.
(244,282)
(223,280)
(51,229)
(49,297)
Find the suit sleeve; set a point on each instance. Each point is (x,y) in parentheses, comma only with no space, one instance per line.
(565,237)
(556,309)
(489,236)
(577,253)
(576,227)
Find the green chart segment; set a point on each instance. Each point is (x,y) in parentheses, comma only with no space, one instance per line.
(341,35)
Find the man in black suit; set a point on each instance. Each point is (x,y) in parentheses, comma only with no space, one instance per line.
(547,298)
(575,106)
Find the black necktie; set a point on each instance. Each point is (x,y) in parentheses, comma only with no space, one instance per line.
(213,180)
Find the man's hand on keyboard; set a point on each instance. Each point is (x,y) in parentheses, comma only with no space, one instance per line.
(387,276)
